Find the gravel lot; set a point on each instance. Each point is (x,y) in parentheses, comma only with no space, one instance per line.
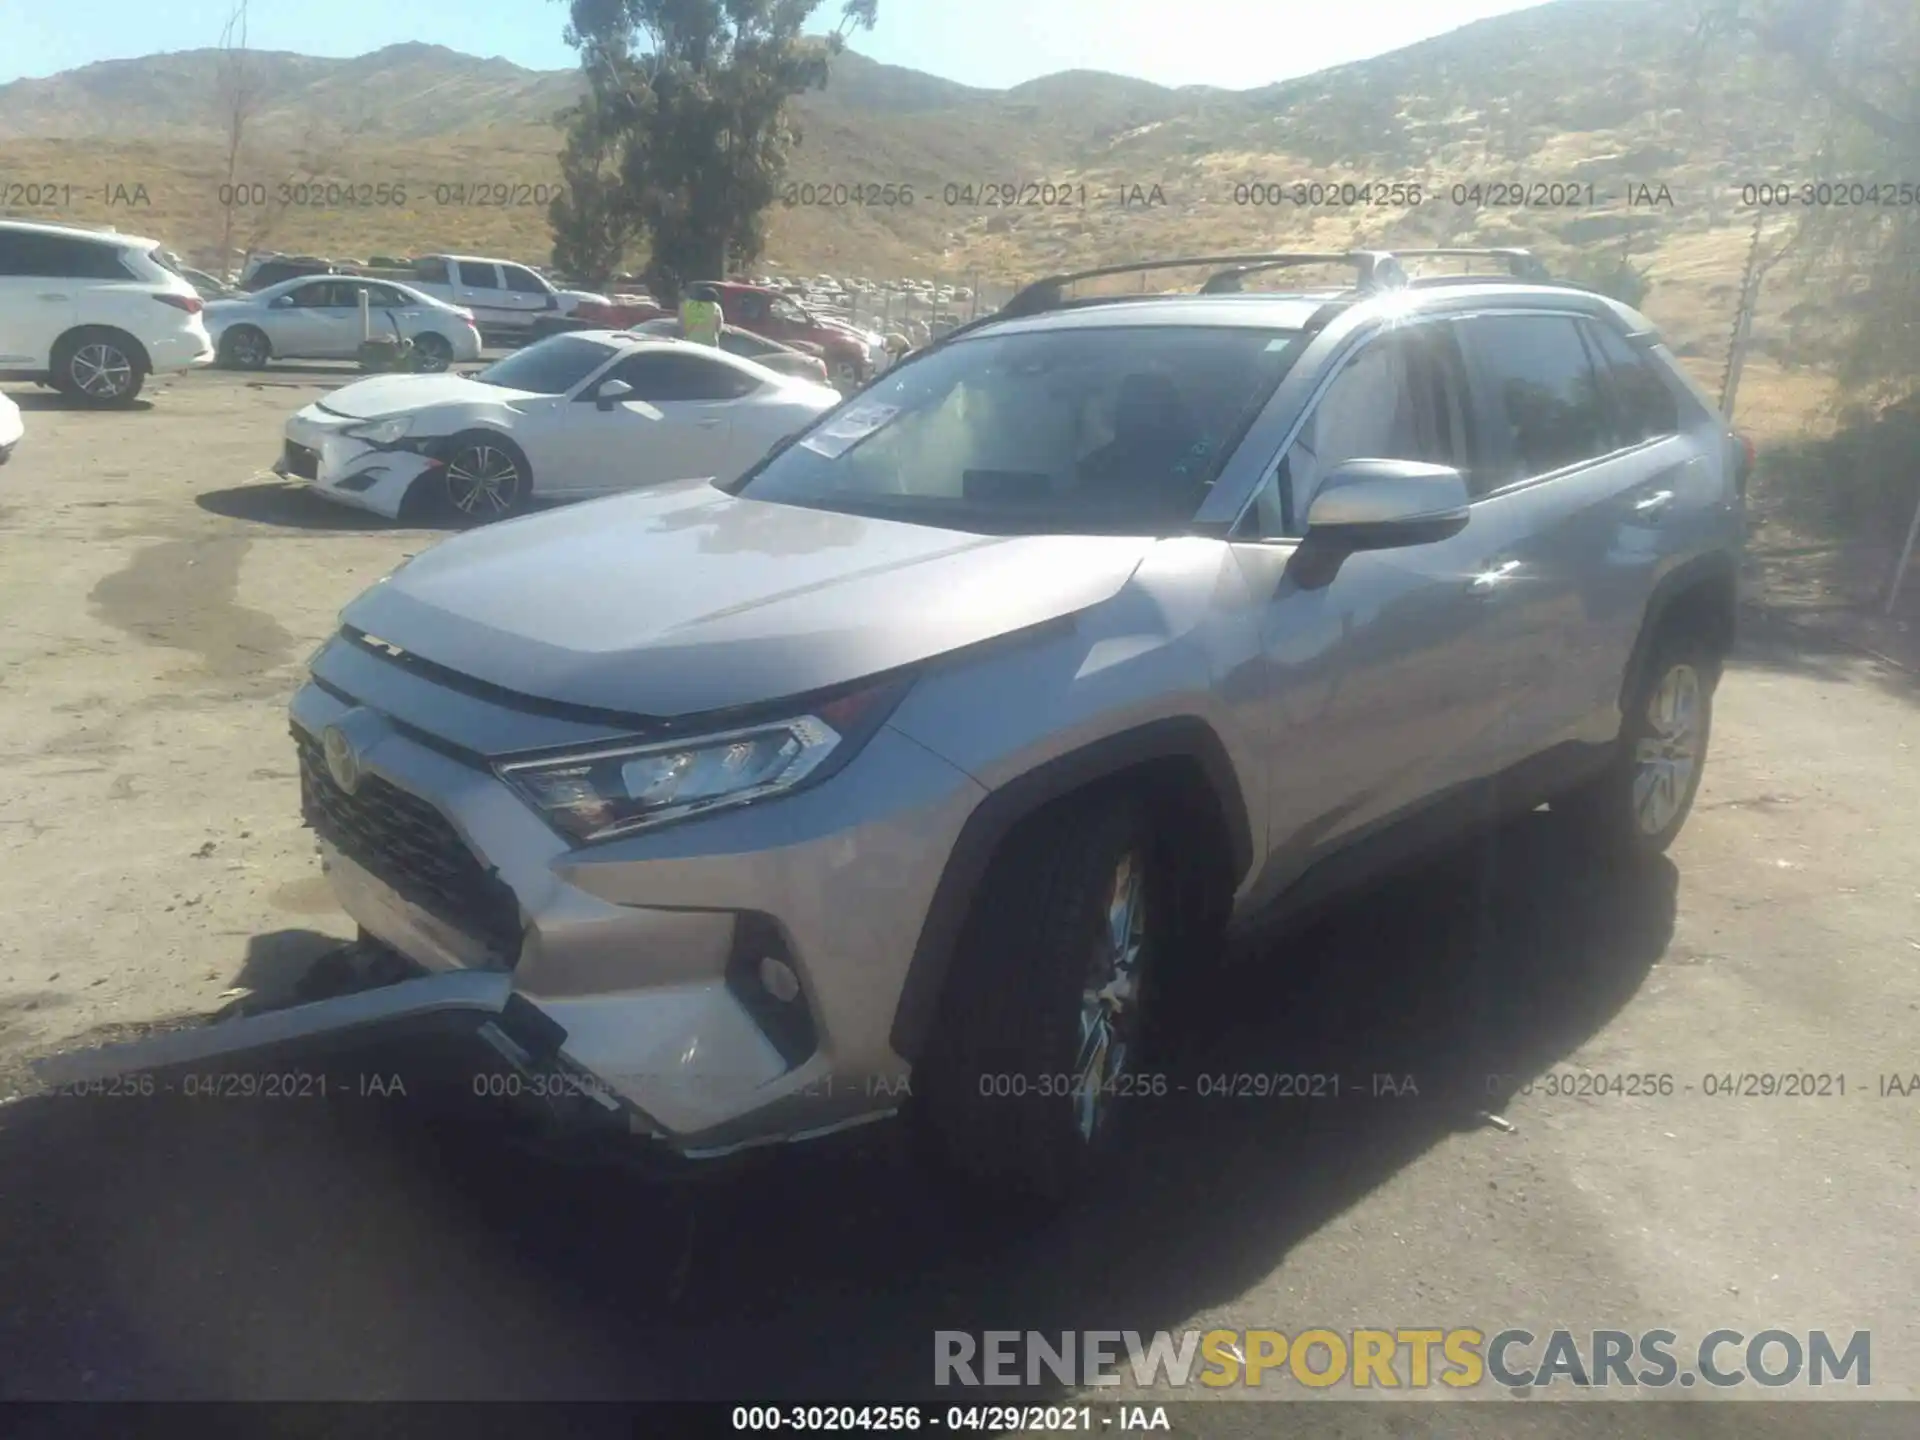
(161,592)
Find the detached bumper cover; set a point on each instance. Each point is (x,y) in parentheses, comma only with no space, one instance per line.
(459,1001)
(369,477)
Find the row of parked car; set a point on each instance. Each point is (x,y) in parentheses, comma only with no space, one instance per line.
(94,313)
(899,756)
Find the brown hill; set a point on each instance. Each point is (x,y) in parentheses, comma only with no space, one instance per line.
(1598,98)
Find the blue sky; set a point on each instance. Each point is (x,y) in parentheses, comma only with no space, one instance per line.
(1235,43)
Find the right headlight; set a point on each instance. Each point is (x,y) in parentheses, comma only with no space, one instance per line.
(381,432)
(615,790)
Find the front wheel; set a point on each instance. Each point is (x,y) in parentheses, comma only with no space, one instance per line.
(1032,1066)
(1637,805)
(486,477)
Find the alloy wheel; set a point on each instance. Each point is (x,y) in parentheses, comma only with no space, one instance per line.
(101,370)
(1664,761)
(483,482)
(1109,1002)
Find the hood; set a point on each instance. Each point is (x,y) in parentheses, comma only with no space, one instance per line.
(571,300)
(848,329)
(382,395)
(683,599)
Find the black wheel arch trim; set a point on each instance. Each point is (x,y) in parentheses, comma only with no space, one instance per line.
(1712,572)
(1177,738)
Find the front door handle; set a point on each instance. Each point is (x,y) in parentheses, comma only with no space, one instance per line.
(1490,582)
(706,424)
(47,296)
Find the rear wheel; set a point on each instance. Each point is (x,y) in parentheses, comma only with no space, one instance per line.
(486,477)
(1031,1068)
(1638,804)
(245,347)
(432,352)
(98,367)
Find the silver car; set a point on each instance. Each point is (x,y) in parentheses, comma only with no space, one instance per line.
(320,318)
(892,776)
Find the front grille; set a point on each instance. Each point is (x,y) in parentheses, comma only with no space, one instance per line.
(301,461)
(410,846)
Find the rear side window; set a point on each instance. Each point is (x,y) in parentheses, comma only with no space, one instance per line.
(1545,394)
(34,252)
(1647,409)
(432,270)
(479,277)
(681,377)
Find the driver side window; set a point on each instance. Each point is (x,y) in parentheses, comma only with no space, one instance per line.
(1371,411)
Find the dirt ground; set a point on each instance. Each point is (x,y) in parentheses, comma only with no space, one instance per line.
(160,593)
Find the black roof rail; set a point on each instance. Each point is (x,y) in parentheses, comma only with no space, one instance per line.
(1374,268)
(1521,264)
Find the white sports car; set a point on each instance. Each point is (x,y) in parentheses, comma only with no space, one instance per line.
(11,428)
(587,413)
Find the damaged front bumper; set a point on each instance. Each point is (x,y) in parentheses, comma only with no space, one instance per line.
(318,452)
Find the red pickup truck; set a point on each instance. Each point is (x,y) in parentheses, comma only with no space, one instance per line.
(852,355)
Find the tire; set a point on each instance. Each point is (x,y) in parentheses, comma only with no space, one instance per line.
(432,353)
(1636,806)
(1004,1096)
(100,368)
(245,347)
(477,455)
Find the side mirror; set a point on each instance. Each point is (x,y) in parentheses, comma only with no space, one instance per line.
(1385,504)
(282,302)
(611,393)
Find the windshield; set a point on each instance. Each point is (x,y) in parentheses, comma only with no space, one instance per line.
(1094,431)
(548,367)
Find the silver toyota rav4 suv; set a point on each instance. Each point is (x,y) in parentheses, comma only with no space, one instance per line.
(894,776)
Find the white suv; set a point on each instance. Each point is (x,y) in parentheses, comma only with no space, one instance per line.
(94,313)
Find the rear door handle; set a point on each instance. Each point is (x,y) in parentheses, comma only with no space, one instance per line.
(46,295)
(1654,506)
(1489,582)
(706,424)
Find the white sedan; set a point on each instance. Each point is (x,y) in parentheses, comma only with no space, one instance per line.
(12,427)
(317,317)
(575,415)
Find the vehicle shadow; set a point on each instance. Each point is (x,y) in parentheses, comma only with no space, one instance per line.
(365,1246)
(1777,644)
(295,506)
(291,505)
(30,401)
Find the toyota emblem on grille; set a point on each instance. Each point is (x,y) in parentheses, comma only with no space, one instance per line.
(343,761)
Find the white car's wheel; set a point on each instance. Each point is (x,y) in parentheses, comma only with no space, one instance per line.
(486,478)
(98,367)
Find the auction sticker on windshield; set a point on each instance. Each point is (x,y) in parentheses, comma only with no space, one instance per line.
(849,430)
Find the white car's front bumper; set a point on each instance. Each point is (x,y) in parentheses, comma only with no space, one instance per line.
(354,472)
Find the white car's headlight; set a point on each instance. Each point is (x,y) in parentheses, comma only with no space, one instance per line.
(615,790)
(382,432)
